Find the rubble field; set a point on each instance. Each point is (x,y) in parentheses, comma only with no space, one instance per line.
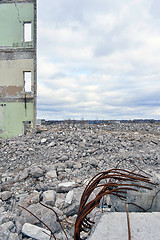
(56,163)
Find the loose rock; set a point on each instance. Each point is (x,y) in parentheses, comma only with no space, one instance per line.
(57,164)
(36,232)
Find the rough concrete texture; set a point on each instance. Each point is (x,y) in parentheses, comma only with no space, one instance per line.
(17,56)
(62,160)
(35,232)
(113,226)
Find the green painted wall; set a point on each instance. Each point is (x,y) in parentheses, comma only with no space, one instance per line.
(12,16)
(13,112)
(12,117)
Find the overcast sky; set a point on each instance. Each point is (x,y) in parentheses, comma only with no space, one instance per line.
(98,59)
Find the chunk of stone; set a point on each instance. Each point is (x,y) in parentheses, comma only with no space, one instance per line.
(69,197)
(5,195)
(37,172)
(63,237)
(51,174)
(49,197)
(156,178)
(78,165)
(43,140)
(34,197)
(52,144)
(59,202)
(2,209)
(24,174)
(3,217)
(93,162)
(63,158)
(35,232)
(27,199)
(66,187)
(5,230)
(58,211)
(8,225)
(4,233)
(143,199)
(72,209)
(18,227)
(23,200)
(13,236)
(46,215)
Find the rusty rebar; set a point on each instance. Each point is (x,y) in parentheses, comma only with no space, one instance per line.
(119,182)
(52,234)
(57,217)
(128,222)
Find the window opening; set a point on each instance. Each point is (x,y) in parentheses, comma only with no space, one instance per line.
(27,32)
(27,81)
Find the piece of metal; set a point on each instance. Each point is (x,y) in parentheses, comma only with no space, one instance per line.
(115,181)
(128,222)
(119,182)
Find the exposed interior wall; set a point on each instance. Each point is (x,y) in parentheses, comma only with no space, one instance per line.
(14,16)
(11,71)
(17,60)
(13,115)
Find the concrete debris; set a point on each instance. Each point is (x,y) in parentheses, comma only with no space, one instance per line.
(13,236)
(49,197)
(37,172)
(5,195)
(45,214)
(66,187)
(4,233)
(5,229)
(69,197)
(51,174)
(58,163)
(52,144)
(43,140)
(35,232)
(135,199)
(142,225)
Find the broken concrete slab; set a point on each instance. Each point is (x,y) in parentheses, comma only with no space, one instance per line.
(114,226)
(33,168)
(144,199)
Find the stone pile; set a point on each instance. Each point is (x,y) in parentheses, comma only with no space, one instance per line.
(55,166)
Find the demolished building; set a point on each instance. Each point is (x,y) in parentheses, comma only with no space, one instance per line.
(18,66)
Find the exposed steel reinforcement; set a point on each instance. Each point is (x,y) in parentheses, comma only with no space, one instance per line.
(117,182)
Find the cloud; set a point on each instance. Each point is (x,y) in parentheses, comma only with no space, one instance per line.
(98,59)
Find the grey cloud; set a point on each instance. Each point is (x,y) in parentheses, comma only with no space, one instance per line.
(117,79)
(155,9)
(110,44)
(63,11)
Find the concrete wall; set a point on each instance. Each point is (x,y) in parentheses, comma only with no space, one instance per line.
(13,116)
(11,28)
(17,107)
(11,71)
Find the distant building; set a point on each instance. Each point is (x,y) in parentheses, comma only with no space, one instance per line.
(18,66)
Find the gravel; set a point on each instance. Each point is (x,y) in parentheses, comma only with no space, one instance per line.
(56,165)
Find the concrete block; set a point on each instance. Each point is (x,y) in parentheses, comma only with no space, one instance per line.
(35,232)
(113,226)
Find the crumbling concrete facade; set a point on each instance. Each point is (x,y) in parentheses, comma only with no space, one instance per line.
(18,66)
